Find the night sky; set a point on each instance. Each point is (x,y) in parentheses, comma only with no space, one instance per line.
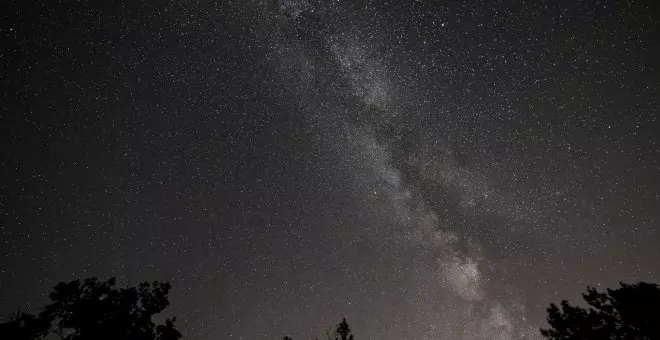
(428,169)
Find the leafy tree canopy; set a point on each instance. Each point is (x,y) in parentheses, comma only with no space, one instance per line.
(96,310)
(629,312)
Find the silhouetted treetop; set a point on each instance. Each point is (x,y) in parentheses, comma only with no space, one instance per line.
(96,310)
(22,326)
(343,331)
(629,312)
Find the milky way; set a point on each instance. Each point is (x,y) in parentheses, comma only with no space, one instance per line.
(428,170)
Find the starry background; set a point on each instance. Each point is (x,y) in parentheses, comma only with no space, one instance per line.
(428,169)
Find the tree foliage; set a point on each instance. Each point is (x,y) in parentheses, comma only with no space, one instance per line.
(343,331)
(96,310)
(629,312)
(22,326)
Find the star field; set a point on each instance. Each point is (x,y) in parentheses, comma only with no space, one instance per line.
(430,170)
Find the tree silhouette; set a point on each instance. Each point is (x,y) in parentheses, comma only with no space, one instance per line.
(629,312)
(95,310)
(24,326)
(343,332)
